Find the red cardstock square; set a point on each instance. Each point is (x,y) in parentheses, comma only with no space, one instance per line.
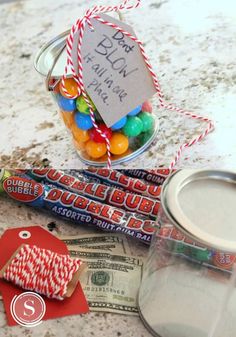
(36,235)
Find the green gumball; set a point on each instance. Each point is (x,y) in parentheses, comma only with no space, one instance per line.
(148,121)
(145,137)
(82,106)
(133,127)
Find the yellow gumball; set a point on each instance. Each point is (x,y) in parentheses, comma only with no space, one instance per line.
(79,134)
(95,150)
(119,143)
(68,118)
(71,87)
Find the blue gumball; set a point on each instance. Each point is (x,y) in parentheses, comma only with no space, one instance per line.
(135,111)
(83,122)
(120,124)
(66,104)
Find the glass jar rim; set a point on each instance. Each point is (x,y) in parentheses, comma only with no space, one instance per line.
(182,193)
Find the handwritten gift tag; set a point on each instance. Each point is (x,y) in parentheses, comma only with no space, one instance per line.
(114,72)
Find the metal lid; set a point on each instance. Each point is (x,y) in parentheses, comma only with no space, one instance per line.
(202,204)
(52,56)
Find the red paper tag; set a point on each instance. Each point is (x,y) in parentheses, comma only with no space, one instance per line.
(36,235)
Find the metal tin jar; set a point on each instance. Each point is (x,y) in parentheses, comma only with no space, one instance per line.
(129,137)
(189,282)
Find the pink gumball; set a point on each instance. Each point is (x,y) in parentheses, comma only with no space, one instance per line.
(147,107)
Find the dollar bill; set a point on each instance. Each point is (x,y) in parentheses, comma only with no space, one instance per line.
(113,276)
(114,243)
(111,282)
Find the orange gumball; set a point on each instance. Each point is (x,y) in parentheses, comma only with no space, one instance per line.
(78,145)
(68,118)
(95,150)
(79,134)
(119,143)
(125,154)
(71,86)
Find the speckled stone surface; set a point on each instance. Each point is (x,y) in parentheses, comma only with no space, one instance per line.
(191,44)
(12,214)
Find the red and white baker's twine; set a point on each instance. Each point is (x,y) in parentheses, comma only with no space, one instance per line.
(42,271)
(80,26)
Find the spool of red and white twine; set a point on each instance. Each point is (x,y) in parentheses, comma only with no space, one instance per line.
(42,271)
(80,26)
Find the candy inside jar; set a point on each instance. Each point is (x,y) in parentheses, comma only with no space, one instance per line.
(130,135)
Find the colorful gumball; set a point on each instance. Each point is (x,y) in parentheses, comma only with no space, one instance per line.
(126,153)
(82,106)
(68,118)
(120,124)
(95,150)
(79,145)
(133,127)
(103,158)
(135,111)
(66,104)
(119,143)
(147,107)
(145,137)
(96,136)
(71,87)
(148,121)
(83,121)
(79,134)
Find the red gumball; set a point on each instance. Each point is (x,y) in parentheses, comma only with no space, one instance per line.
(95,135)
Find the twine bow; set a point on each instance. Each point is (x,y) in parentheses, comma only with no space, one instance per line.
(79,26)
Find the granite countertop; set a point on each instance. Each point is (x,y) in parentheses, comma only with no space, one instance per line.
(12,214)
(191,45)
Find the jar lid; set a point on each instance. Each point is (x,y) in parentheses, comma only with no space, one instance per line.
(202,204)
(52,57)
(52,54)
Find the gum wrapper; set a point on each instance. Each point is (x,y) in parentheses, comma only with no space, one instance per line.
(79,209)
(156,177)
(174,240)
(99,192)
(121,180)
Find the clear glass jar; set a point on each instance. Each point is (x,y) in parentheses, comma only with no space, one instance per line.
(188,286)
(129,137)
